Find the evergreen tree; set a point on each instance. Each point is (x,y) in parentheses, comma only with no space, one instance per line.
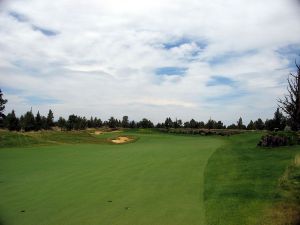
(91,123)
(125,122)
(232,126)
(193,124)
(187,125)
(12,122)
(219,125)
(251,126)
(132,124)
(279,120)
(168,123)
(259,124)
(211,124)
(145,123)
(240,124)
(28,121)
(38,121)
(177,123)
(50,118)
(2,109)
(112,122)
(44,123)
(98,122)
(291,102)
(201,124)
(61,123)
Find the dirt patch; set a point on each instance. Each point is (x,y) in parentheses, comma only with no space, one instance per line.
(97,132)
(282,214)
(121,140)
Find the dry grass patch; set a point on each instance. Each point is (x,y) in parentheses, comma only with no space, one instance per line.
(282,214)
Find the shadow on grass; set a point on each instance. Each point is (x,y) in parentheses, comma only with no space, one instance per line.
(1,222)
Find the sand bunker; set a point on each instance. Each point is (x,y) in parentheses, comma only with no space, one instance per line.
(98,132)
(120,140)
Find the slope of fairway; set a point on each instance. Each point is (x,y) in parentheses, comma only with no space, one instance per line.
(242,181)
(155,180)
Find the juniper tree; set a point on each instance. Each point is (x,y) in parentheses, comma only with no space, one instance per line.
(290,104)
(38,121)
(50,118)
(12,122)
(2,108)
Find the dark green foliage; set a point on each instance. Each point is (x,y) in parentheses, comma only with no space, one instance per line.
(276,139)
(44,123)
(277,123)
(193,123)
(2,108)
(38,121)
(125,122)
(177,123)
(12,123)
(94,123)
(28,122)
(112,122)
(76,123)
(220,125)
(50,117)
(210,124)
(290,104)
(62,123)
(145,123)
(168,123)
(203,132)
(259,124)
(240,124)
(251,126)
(232,126)
(132,124)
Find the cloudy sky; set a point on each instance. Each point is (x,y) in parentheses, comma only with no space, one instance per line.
(179,58)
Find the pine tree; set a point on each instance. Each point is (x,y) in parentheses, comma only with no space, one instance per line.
(38,121)
(2,109)
(251,126)
(50,118)
(125,122)
(61,123)
(12,123)
(28,121)
(168,123)
(240,124)
(259,124)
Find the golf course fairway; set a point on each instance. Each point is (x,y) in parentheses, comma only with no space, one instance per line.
(159,179)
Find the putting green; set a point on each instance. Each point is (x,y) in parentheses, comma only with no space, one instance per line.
(157,180)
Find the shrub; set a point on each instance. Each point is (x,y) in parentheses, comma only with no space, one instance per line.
(276,139)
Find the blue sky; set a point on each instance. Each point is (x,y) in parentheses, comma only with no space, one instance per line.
(222,59)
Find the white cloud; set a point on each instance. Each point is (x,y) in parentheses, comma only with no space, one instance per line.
(103,59)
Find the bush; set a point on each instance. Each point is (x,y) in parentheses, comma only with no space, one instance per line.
(276,139)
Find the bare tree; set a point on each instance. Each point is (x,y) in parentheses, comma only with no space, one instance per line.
(290,104)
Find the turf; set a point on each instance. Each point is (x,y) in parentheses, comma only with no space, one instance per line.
(242,181)
(61,178)
(155,180)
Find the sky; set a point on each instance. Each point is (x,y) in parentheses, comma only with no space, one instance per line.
(148,59)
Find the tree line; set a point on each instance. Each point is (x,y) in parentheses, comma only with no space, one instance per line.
(31,122)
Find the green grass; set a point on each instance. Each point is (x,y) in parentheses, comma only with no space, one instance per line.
(155,180)
(242,180)
(70,178)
